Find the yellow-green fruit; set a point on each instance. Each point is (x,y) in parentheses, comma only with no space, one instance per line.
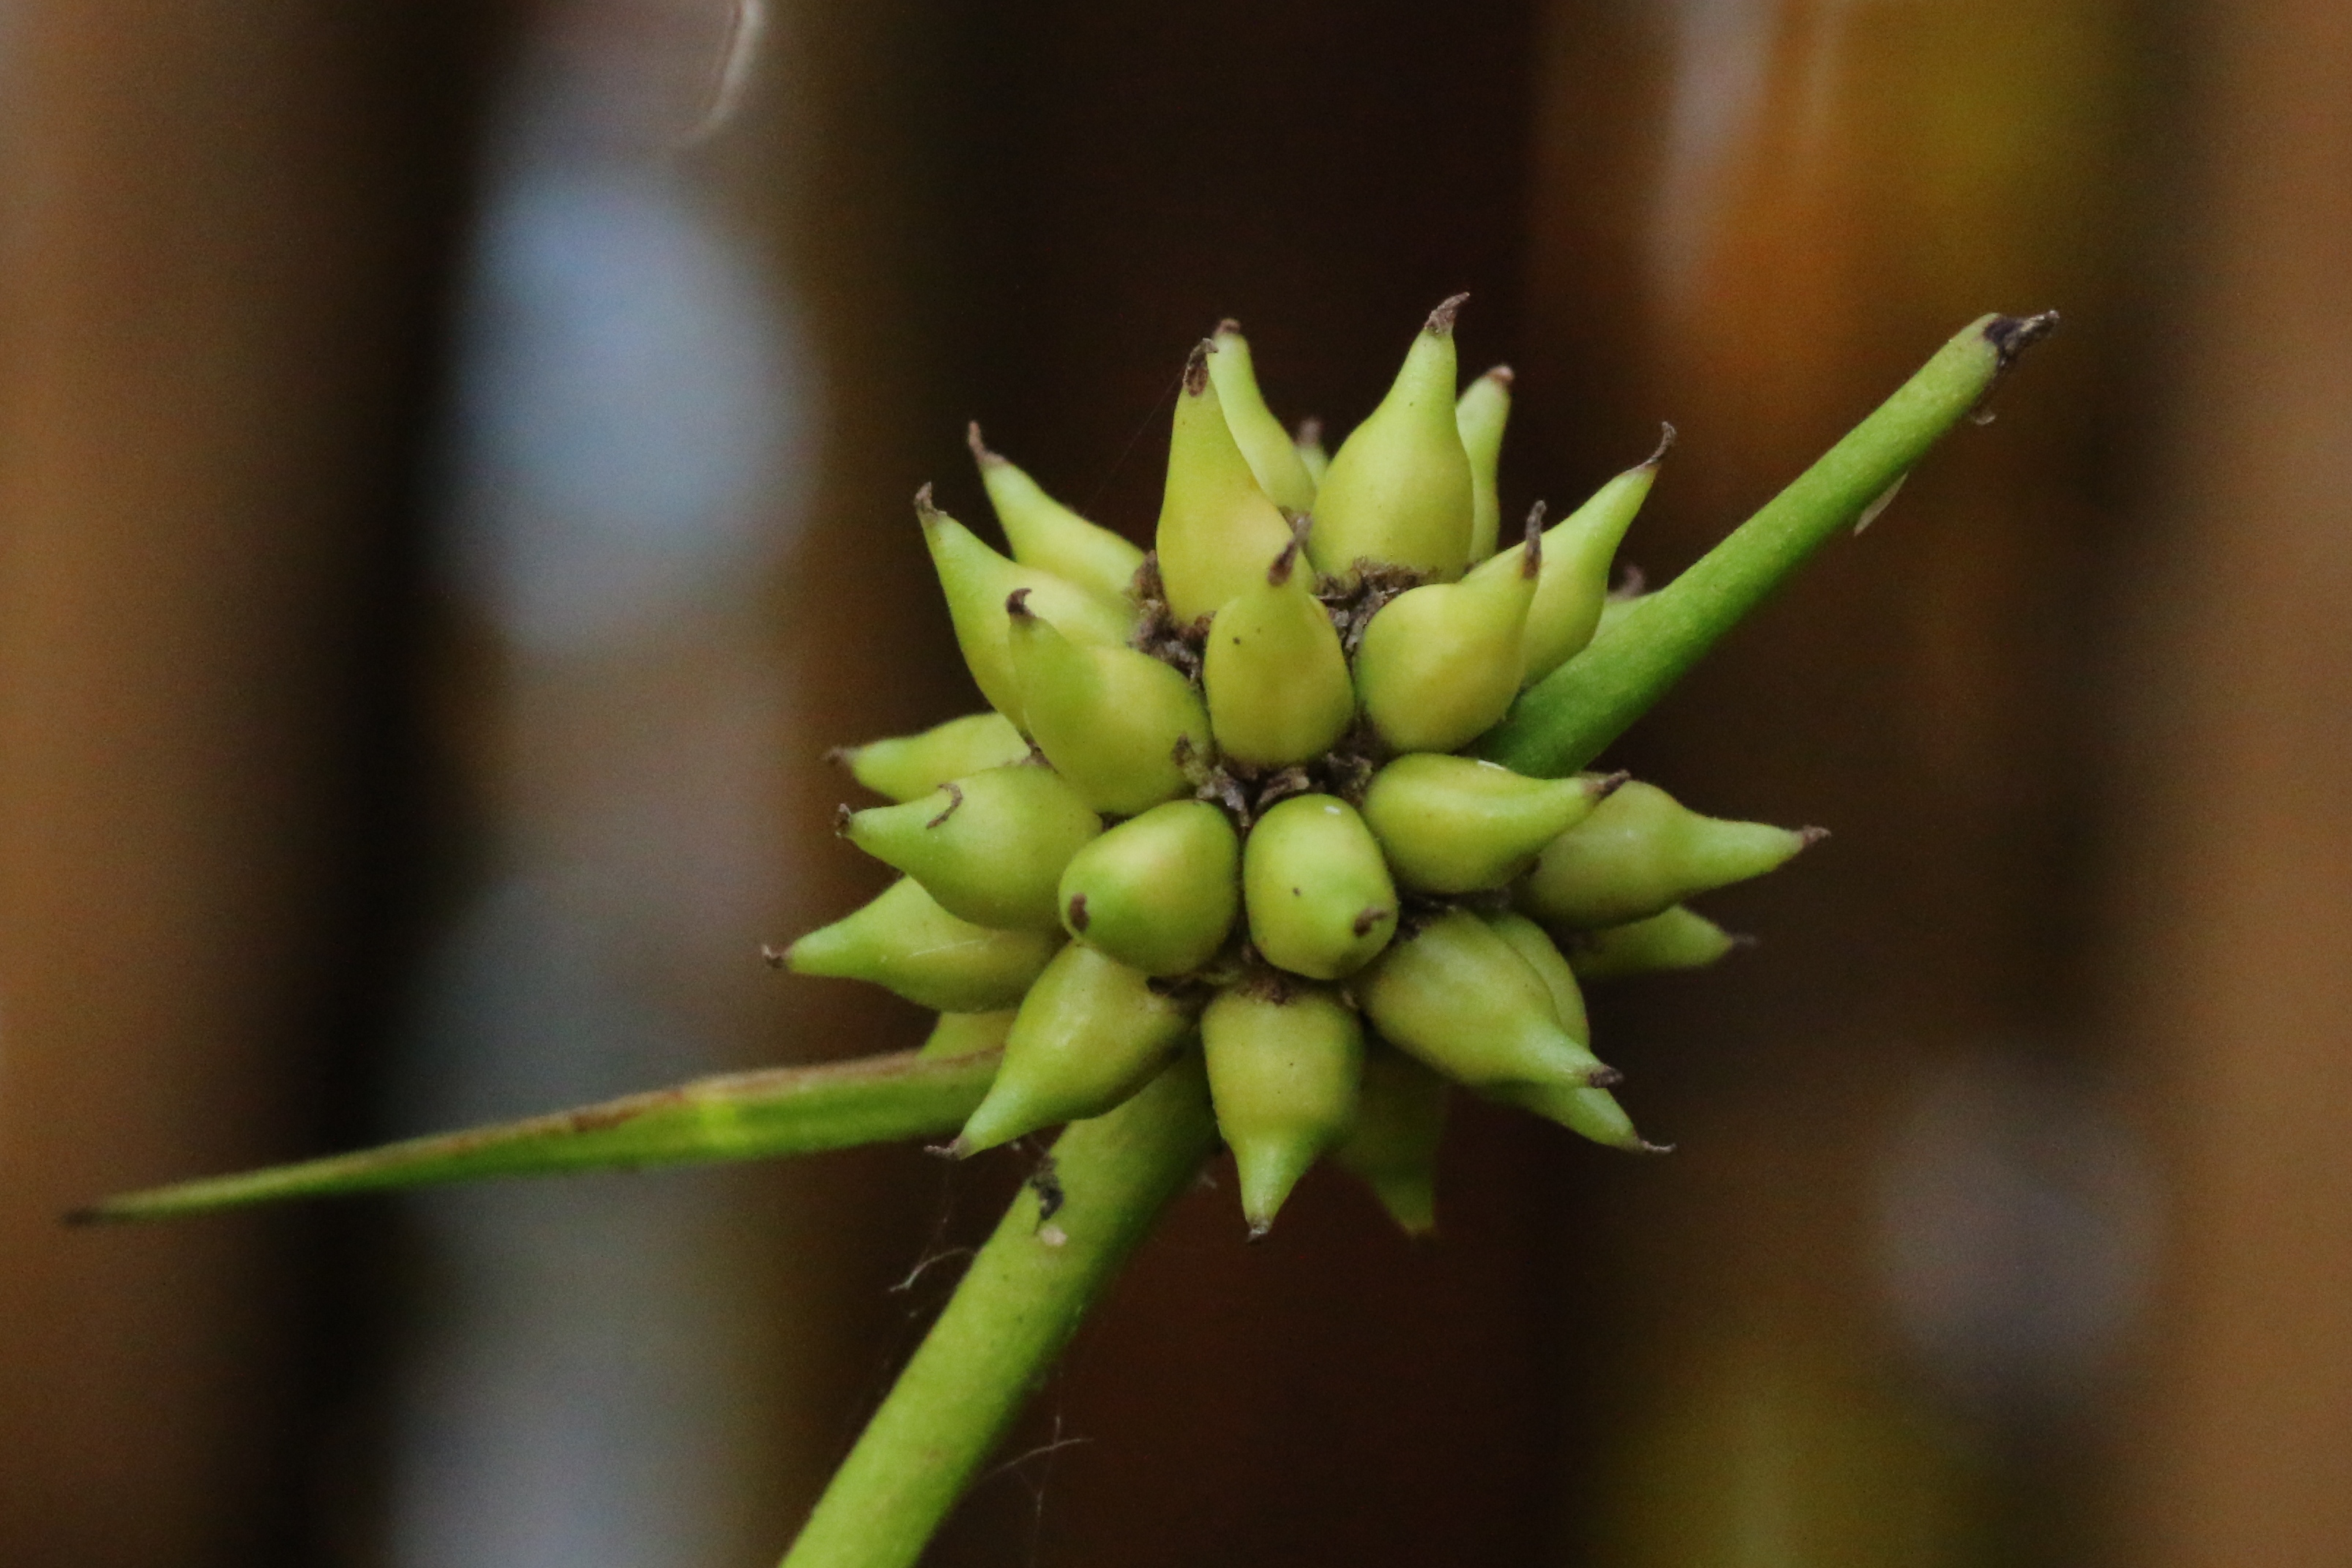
(1217,528)
(904,940)
(1400,1122)
(1481,412)
(1045,534)
(1642,850)
(1117,723)
(1273,456)
(1454,824)
(1677,939)
(967,1034)
(1440,664)
(990,847)
(1456,995)
(1158,892)
(1319,900)
(1276,678)
(907,766)
(1590,1112)
(1091,1032)
(1397,492)
(977,581)
(1283,1065)
(1308,440)
(1573,590)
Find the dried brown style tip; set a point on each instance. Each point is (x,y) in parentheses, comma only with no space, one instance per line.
(1441,319)
(1196,369)
(980,452)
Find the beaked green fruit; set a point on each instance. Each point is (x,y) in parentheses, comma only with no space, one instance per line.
(907,766)
(977,581)
(989,847)
(1117,723)
(1573,590)
(1400,1123)
(1091,1032)
(1457,995)
(1159,892)
(1045,534)
(905,942)
(1679,938)
(1642,850)
(1311,455)
(1439,663)
(1480,414)
(1273,456)
(1216,526)
(1285,1061)
(967,1034)
(1454,824)
(1316,889)
(1536,948)
(1276,678)
(1399,490)
(1590,1112)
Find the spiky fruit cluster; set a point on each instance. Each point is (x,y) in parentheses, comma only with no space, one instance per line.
(1219,796)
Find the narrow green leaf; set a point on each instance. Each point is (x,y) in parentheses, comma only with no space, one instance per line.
(740,1116)
(1564,721)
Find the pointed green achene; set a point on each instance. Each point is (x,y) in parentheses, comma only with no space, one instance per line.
(905,942)
(1573,590)
(1120,725)
(1398,493)
(1480,414)
(1285,1060)
(1400,1122)
(1217,527)
(908,766)
(1045,534)
(1089,1033)
(1585,1110)
(1439,663)
(1456,995)
(1273,455)
(1308,440)
(1319,900)
(1642,850)
(1276,675)
(990,847)
(1454,824)
(1679,938)
(1160,891)
(977,582)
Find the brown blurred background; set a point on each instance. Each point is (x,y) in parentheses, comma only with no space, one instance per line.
(453,477)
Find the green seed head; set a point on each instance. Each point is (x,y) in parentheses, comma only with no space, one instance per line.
(1246,807)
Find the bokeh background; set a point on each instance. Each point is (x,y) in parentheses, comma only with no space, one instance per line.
(452,478)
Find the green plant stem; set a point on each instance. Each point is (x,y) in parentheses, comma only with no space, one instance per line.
(1564,721)
(740,1116)
(1009,1319)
